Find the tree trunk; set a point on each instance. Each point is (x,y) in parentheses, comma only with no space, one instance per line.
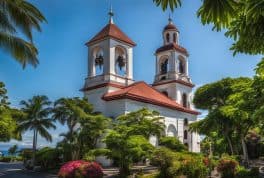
(34,148)
(245,153)
(230,144)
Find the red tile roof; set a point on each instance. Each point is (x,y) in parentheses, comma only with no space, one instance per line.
(172,46)
(111,30)
(140,91)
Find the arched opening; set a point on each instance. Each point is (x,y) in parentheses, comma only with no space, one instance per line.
(185,135)
(171,131)
(185,122)
(184,100)
(98,56)
(164,65)
(121,61)
(165,93)
(168,37)
(182,66)
(174,37)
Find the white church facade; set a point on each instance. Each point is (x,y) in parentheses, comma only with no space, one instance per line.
(110,86)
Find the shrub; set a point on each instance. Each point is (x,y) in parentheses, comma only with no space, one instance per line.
(6,159)
(48,158)
(246,173)
(172,143)
(172,164)
(227,167)
(80,169)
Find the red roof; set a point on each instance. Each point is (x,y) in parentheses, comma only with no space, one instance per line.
(111,30)
(170,26)
(172,46)
(140,91)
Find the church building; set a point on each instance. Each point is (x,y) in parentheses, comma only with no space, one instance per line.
(111,89)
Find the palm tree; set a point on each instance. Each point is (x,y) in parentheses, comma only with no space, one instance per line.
(37,119)
(19,16)
(70,111)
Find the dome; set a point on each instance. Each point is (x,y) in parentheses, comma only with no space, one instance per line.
(170,26)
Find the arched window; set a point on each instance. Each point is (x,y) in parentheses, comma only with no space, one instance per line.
(168,37)
(185,122)
(185,135)
(182,65)
(184,100)
(171,131)
(165,93)
(174,37)
(121,61)
(98,55)
(164,65)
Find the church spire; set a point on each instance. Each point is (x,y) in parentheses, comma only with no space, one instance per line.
(170,19)
(111,15)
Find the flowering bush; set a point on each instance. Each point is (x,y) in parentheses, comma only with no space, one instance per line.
(227,167)
(80,169)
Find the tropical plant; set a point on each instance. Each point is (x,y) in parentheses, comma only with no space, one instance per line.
(175,164)
(172,143)
(36,119)
(8,117)
(13,150)
(48,158)
(227,167)
(80,169)
(85,127)
(143,122)
(125,149)
(19,17)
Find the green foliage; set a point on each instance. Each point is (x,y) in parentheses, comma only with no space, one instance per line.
(142,122)
(172,4)
(128,141)
(85,127)
(19,17)
(246,173)
(48,158)
(172,143)
(174,164)
(12,150)
(125,149)
(8,123)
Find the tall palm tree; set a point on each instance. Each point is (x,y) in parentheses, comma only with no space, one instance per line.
(70,111)
(19,16)
(37,119)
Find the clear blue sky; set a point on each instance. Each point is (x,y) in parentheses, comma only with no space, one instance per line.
(71,23)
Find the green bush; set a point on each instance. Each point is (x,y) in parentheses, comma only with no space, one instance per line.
(48,158)
(26,154)
(172,143)
(6,159)
(172,164)
(246,173)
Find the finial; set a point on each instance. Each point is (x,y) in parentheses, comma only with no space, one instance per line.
(170,19)
(111,14)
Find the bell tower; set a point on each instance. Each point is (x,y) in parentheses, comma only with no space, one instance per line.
(110,57)
(172,75)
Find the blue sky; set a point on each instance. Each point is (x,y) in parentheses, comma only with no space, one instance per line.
(71,23)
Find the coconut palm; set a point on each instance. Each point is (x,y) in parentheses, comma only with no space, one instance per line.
(19,16)
(36,119)
(70,111)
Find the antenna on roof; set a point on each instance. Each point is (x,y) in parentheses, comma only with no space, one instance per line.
(111,15)
(170,19)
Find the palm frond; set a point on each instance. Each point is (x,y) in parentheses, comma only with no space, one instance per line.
(24,52)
